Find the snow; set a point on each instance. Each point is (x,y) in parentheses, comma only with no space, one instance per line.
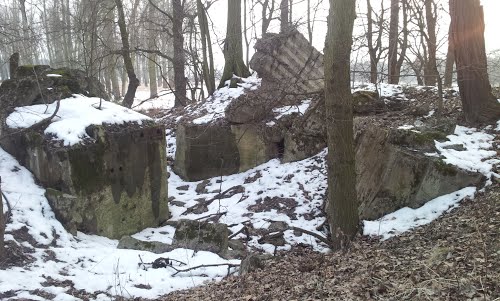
(91,262)
(303,181)
(290,192)
(213,107)
(287,110)
(406,127)
(384,90)
(478,155)
(54,75)
(407,218)
(74,116)
(142,102)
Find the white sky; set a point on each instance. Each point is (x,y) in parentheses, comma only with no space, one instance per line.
(492,20)
(218,14)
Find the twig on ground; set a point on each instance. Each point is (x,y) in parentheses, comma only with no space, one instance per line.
(230,265)
(219,214)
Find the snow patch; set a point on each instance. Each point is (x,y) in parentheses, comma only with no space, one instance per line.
(407,218)
(74,116)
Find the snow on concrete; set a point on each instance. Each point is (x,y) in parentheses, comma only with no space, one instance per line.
(90,262)
(287,110)
(214,106)
(407,218)
(74,116)
(478,154)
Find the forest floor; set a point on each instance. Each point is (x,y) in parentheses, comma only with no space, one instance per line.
(456,257)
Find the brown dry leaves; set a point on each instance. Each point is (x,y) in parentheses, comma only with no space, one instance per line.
(455,258)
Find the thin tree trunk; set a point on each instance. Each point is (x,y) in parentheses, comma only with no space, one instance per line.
(28,54)
(393,43)
(467,35)
(206,45)
(309,24)
(284,16)
(245,33)
(450,62)
(343,207)
(233,49)
(404,42)
(153,85)
(431,76)
(179,59)
(133,81)
(2,224)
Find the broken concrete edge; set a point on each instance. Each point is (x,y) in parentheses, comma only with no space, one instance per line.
(86,190)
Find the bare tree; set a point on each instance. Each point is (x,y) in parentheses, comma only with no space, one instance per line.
(467,35)
(267,13)
(343,208)
(393,42)
(153,84)
(375,50)
(133,81)
(179,59)
(450,62)
(431,75)
(284,14)
(233,48)
(206,45)
(2,224)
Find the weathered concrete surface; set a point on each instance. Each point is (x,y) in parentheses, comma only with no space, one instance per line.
(205,151)
(209,150)
(114,185)
(390,176)
(33,86)
(288,59)
(202,236)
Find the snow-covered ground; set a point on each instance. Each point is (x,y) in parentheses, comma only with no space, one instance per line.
(272,192)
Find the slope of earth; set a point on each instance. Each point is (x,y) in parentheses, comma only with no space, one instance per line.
(457,257)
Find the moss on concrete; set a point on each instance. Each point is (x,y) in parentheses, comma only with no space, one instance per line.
(444,168)
(87,168)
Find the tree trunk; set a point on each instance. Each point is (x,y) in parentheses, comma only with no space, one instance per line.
(404,42)
(133,81)
(450,62)
(206,45)
(431,66)
(393,43)
(2,224)
(179,58)
(153,85)
(13,64)
(467,35)
(309,23)
(266,19)
(233,49)
(343,208)
(284,16)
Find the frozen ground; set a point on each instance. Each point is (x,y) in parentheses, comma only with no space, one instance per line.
(269,193)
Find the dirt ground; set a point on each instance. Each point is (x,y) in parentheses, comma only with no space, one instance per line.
(457,257)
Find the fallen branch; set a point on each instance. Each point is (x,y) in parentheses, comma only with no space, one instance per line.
(321,238)
(223,195)
(219,214)
(9,209)
(243,229)
(229,265)
(42,124)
